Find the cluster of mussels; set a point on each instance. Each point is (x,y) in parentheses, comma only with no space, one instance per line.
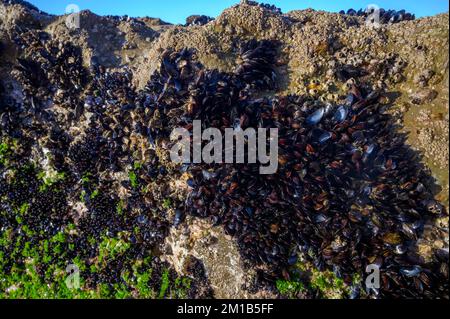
(385,16)
(348,191)
(85,125)
(266,6)
(197,20)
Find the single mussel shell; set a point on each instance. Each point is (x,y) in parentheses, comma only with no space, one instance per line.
(370,149)
(320,218)
(351,149)
(179,217)
(350,100)
(315,117)
(292,260)
(325,137)
(411,272)
(191,183)
(409,232)
(341,114)
(142,219)
(369,153)
(417,224)
(358,136)
(320,136)
(89,101)
(400,249)
(178,86)
(355,216)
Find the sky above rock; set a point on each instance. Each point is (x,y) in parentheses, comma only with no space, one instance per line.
(176,11)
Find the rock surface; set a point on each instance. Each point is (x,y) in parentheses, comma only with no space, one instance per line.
(320,53)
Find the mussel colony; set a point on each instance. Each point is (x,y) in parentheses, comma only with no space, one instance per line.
(385,16)
(197,20)
(267,6)
(348,191)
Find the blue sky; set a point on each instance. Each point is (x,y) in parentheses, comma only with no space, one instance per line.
(176,11)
